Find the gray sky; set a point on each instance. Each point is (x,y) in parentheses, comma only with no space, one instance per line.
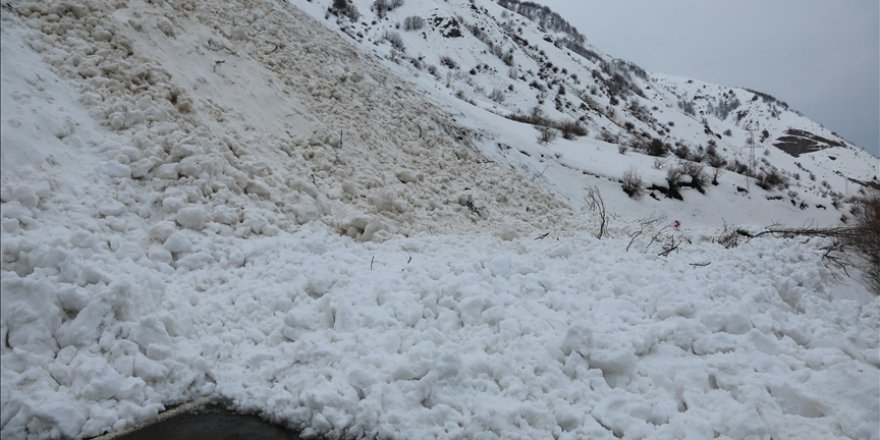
(822,57)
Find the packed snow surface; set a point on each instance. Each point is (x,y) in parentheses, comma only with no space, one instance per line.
(351,266)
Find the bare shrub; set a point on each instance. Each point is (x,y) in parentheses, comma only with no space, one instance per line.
(622,148)
(865,237)
(497,95)
(716,174)
(695,171)
(771,179)
(571,129)
(383,6)
(656,148)
(546,134)
(346,9)
(609,137)
(632,183)
(596,203)
(395,40)
(673,180)
(659,163)
(413,23)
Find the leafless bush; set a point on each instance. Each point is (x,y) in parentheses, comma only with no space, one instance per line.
(609,137)
(865,237)
(695,171)
(632,183)
(346,9)
(413,23)
(622,148)
(596,203)
(497,95)
(716,174)
(659,163)
(546,134)
(771,179)
(673,180)
(383,6)
(395,40)
(571,129)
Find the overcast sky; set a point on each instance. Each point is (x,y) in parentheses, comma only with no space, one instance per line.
(822,57)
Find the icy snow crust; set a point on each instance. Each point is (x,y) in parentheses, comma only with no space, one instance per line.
(168,233)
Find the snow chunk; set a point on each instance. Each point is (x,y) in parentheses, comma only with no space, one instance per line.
(193,217)
(178,243)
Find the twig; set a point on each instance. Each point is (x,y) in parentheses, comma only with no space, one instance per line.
(701,264)
(373,258)
(671,248)
(657,235)
(542,236)
(645,224)
(217,63)
(594,197)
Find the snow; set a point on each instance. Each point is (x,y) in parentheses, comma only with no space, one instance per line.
(369,261)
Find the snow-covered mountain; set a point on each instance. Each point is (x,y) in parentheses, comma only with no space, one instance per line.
(519,60)
(305,212)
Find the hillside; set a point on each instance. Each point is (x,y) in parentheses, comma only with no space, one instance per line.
(505,65)
(267,204)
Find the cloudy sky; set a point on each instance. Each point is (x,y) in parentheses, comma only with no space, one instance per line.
(820,56)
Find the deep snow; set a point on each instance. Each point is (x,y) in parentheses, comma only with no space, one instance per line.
(167,234)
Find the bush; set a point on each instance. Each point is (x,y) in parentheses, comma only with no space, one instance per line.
(383,6)
(632,184)
(656,148)
(413,23)
(681,152)
(345,9)
(395,40)
(695,171)
(673,180)
(571,129)
(865,237)
(546,134)
(497,95)
(770,180)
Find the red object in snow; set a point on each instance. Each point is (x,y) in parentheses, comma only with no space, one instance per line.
(677,225)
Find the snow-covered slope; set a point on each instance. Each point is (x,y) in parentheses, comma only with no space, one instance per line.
(228,200)
(483,54)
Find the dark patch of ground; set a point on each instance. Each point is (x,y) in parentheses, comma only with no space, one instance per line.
(213,422)
(796,142)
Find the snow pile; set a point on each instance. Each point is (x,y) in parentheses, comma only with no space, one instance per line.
(302,130)
(204,199)
(449,337)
